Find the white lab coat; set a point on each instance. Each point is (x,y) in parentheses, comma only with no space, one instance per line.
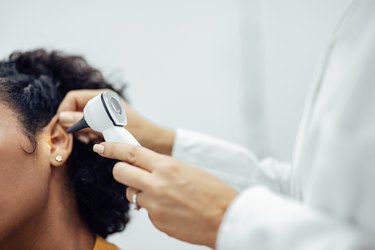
(324,199)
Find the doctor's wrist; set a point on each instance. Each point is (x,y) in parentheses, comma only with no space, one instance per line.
(163,140)
(158,139)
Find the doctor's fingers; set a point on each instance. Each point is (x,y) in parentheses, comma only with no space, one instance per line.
(75,100)
(143,200)
(140,201)
(132,176)
(68,118)
(135,155)
(130,192)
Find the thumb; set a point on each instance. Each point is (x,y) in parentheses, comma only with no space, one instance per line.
(68,118)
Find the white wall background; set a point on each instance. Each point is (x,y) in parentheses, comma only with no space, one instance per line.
(190,64)
(295,34)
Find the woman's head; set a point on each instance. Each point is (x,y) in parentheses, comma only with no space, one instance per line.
(32,85)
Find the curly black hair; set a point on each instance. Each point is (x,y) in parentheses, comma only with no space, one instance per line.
(33,84)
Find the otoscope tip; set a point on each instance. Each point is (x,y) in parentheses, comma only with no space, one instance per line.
(81,124)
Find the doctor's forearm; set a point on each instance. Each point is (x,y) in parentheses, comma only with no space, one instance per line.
(157,138)
(162,141)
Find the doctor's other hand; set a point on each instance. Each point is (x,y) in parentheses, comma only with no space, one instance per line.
(70,111)
(183,201)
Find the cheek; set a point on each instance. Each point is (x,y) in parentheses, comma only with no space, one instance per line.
(23,186)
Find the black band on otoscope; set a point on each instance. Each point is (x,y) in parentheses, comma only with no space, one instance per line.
(78,126)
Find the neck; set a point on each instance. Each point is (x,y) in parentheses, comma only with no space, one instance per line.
(56,226)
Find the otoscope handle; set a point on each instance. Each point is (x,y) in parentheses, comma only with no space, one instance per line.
(119,134)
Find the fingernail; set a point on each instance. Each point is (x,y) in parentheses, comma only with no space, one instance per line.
(84,139)
(66,117)
(98,148)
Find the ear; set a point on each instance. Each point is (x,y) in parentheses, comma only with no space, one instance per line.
(60,141)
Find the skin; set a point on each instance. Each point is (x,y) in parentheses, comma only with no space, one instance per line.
(37,208)
(183,201)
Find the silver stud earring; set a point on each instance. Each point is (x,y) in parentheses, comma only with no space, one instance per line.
(59,158)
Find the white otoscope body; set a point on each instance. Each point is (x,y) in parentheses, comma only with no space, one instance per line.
(105,113)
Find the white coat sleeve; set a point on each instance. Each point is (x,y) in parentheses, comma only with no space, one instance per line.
(231,163)
(263,220)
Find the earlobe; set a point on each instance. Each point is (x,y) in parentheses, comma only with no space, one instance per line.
(61,143)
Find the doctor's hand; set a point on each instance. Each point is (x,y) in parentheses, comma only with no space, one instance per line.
(70,111)
(183,201)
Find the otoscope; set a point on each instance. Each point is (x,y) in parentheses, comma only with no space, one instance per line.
(105,113)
